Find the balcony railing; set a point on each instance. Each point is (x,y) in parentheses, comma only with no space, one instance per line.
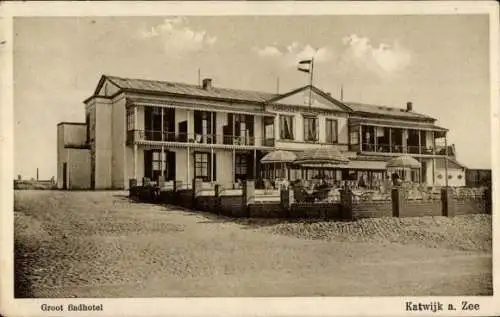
(196,138)
(396,148)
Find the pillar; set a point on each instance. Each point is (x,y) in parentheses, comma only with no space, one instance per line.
(162,147)
(447,202)
(234,166)
(346,204)
(360,138)
(445,161)
(397,197)
(254,164)
(286,199)
(390,140)
(188,165)
(135,145)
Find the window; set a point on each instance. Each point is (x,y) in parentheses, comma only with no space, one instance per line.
(130,119)
(241,166)
(311,129)
(354,135)
(158,164)
(204,166)
(286,127)
(331,131)
(201,166)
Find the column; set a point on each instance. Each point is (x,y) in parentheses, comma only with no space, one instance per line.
(375,137)
(446,160)
(135,161)
(187,165)
(419,141)
(211,165)
(276,127)
(433,143)
(135,145)
(234,165)
(360,138)
(254,164)
(404,140)
(212,126)
(162,147)
(390,140)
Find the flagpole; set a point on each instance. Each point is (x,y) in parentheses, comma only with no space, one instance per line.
(311,81)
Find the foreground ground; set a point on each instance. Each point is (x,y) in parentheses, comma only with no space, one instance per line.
(99,244)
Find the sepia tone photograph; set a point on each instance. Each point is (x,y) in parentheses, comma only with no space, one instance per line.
(252,156)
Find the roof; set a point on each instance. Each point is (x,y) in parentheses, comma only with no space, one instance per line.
(452,160)
(315,90)
(396,124)
(174,88)
(144,85)
(385,111)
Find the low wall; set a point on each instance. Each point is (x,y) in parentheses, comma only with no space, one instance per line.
(184,198)
(267,210)
(470,206)
(419,208)
(246,204)
(372,209)
(231,206)
(316,210)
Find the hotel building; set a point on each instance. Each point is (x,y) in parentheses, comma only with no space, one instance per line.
(143,128)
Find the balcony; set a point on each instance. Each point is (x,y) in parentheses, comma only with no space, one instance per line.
(134,136)
(397,148)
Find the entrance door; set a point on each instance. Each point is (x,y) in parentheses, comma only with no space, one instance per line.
(64,175)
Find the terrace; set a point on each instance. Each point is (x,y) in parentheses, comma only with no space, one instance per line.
(372,138)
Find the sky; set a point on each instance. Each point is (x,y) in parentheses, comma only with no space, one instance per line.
(440,63)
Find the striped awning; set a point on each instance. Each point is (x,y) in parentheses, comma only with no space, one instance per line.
(321,156)
(355,165)
(278,156)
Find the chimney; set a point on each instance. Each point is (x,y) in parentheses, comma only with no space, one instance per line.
(207,83)
(409,106)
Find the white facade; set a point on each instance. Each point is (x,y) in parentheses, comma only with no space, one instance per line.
(126,137)
(73,158)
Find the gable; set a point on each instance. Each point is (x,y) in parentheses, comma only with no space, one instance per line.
(106,88)
(300,98)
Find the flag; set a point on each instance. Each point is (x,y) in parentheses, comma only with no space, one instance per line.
(304,66)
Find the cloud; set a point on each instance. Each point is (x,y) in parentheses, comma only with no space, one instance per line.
(294,52)
(177,36)
(384,59)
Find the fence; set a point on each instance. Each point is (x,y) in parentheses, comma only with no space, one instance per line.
(342,204)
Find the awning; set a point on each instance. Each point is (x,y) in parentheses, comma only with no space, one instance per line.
(396,124)
(279,156)
(355,165)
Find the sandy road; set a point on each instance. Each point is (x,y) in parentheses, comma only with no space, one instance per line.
(98,244)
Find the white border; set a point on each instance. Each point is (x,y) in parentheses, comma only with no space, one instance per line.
(346,306)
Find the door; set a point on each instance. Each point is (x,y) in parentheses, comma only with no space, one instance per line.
(65,175)
(148,164)
(170,166)
(183,129)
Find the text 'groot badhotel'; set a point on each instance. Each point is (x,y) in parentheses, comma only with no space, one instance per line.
(141,128)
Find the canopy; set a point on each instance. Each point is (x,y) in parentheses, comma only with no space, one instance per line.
(321,156)
(278,157)
(404,161)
